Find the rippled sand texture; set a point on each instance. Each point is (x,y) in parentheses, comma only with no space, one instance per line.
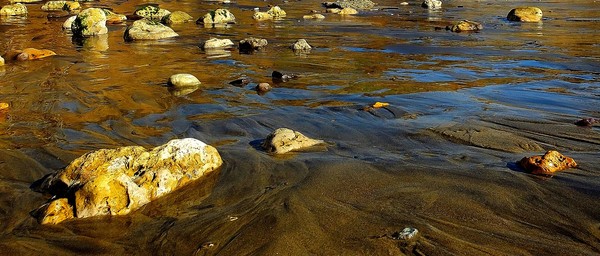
(464,108)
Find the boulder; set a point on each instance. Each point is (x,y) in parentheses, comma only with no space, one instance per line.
(316,16)
(146,29)
(432,4)
(525,14)
(13,10)
(214,43)
(251,44)
(260,16)
(113,18)
(218,16)
(151,12)
(356,4)
(348,11)
(119,181)
(183,80)
(69,22)
(548,164)
(465,25)
(61,5)
(177,17)
(90,22)
(284,140)
(276,12)
(301,45)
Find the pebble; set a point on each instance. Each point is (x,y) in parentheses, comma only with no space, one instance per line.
(263,87)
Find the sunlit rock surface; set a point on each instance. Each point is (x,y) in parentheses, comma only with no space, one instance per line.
(13,10)
(284,140)
(525,14)
(90,22)
(218,16)
(548,164)
(146,29)
(118,181)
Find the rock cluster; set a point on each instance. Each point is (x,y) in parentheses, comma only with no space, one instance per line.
(525,14)
(118,181)
(284,140)
(548,164)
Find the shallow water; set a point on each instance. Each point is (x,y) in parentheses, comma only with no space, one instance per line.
(383,169)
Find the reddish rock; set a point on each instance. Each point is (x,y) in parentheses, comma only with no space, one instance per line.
(547,164)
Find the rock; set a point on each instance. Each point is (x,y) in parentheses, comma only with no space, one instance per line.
(177,17)
(348,11)
(252,44)
(28,54)
(586,122)
(3,105)
(280,77)
(260,16)
(118,181)
(301,45)
(263,87)
(432,4)
(25,1)
(1,61)
(113,18)
(89,22)
(276,12)
(465,25)
(284,140)
(404,3)
(406,234)
(240,82)
(61,5)
(547,164)
(216,43)
(333,10)
(13,10)
(146,29)
(69,22)
(316,16)
(525,14)
(218,16)
(183,80)
(151,12)
(356,4)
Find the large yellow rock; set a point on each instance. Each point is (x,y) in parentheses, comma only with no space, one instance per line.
(525,14)
(118,181)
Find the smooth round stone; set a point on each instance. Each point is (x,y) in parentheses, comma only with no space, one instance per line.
(183,80)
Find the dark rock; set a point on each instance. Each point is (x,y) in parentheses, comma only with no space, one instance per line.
(252,44)
(586,122)
(279,77)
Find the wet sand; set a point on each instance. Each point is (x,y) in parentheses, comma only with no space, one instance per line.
(464,108)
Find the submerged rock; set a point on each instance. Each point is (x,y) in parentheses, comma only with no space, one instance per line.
(284,140)
(301,45)
(356,4)
(525,14)
(61,5)
(240,82)
(348,11)
(13,10)
(215,43)
(252,44)
(316,16)
(548,164)
(151,12)
(177,17)
(218,16)
(432,4)
(119,181)
(90,22)
(465,25)
(183,80)
(280,77)
(146,29)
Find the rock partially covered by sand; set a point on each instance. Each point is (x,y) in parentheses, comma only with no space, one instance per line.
(177,17)
(284,140)
(356,4)
(61,5)
(548,164)
(464,26)
(13,10)
(118,181)
(146,29)
(90,22)
(525,14)
(151,12)
(183,80)
(218,16)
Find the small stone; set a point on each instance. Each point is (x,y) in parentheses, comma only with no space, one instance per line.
(113,18)
(548,164)
(216,43)
(406,234)
(263,87)
(261,16)
(146,29)
(151,12)
(177,17)
(301,45)
(183,80)
(90,22)
(251,44)
(348,11)
(69,22)
(276,12)
(525,14)
(61,5)
(284,140)
(316,16)
(17,9)
(218,16)
(586,122)
(465,26)
(240,82)
(432,4)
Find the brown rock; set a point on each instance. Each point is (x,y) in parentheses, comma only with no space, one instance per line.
(525,14)
(465,25)
(547,164)
(28,54)
(263,87)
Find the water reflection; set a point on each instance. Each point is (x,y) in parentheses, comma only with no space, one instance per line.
(97,43)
